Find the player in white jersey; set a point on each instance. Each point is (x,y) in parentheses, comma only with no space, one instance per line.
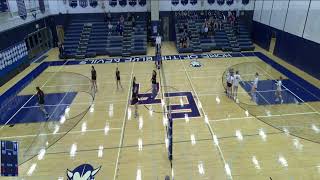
(254,88)
(236,81)
(278,90)
(229,85)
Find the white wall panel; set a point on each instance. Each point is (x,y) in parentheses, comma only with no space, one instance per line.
(257,10)
(312,29)
(296,17)
(279,12)
(266,11)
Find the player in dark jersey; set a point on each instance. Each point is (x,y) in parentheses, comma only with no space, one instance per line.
(40,95)
(118,81)
(135,97)
(94,79)
(154,84)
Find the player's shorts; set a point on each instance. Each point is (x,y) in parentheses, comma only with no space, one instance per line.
(229,84)
(93,78)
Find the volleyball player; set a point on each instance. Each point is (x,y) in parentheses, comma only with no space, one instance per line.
(227,77)
(278,90)
(94,79)
(236,80)
(118,81)
(135,98)
(254,88)
(229,85)
(154,84)
(40,95)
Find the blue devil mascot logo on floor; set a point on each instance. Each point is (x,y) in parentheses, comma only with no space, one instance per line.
(83,172)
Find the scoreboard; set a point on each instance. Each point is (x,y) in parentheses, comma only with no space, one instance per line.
(9,158)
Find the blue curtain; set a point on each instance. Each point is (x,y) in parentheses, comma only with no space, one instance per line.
(132,2)
(22,11)
(220,2)
(122,3)
(113,3)
(93,3)
(184,2)
(245,2)
(174,2)
(229,2)
(193,2)
(73,3)
(142,2)
(41,6)
(83,3)
(210,1)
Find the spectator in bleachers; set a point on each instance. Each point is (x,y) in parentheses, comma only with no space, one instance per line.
(184,41)
(119,28)
(108,17)
(129,16)
(110,26)
(133,20)
(205,30)
(121,19)
(220,24)
(215,24)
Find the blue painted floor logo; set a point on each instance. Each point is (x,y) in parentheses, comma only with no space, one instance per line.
(83,172)
(188,108)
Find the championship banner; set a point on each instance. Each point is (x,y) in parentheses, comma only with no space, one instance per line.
(245,2)
(83,3)
(142,2)
(210,1)
(3,6)
(229,2)
(184,2)
(220,2)
(93,3)
(22,11)
(132,2)
(73,3)
(41,6)
(193,2)
(123,3)
(113,3)
(174,2)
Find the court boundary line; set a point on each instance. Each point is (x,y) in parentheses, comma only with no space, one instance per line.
(123,124)
(290,90)
(208,124)
(77,103)
(48,134)
(45,122)
(32,96)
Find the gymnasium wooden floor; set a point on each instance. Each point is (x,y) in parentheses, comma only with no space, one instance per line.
(224,143)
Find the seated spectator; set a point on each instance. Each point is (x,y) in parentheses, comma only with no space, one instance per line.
(215,24)
(119,28)
(185,26)
(206,30)
(110,26)
(220,24)
(180,29)
(129,16)
(108,17)
(133,20)
(121,19)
